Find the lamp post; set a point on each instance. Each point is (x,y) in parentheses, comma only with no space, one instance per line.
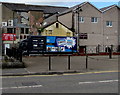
(77,11)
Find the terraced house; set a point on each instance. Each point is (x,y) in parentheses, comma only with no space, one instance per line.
(110,15)
(96,29)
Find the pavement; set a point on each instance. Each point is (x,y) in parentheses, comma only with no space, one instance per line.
(39,65)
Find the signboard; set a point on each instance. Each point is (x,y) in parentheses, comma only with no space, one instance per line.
(8,37)
(61,44)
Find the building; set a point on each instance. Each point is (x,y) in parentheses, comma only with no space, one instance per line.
(56,28)
(86,20)
(18,21)
(96,29)
(110,20)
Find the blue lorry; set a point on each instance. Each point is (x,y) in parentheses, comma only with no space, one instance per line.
(49,45)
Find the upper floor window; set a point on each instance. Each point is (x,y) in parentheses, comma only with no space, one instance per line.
(94,19)
(27,31)
(50,32)
(57,25)
(22,30)
(68,33)
(109,23)
(9,30)
(81,19)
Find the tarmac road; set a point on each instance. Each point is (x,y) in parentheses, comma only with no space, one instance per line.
(98,82)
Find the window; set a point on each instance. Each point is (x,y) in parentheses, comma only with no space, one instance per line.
(25,36)
(83,36)
(9,30)
(57,25)
(27,31)
(20,36)
(50,32)
(94,19)
(81,19)
(109,23)
(68,33)
(22,30)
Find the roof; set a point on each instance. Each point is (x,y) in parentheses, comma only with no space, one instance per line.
(26,7)
(45,26)
(75,7)
(108,8)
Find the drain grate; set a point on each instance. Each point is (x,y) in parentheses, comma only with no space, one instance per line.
(29,83)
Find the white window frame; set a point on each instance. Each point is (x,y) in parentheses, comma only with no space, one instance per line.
(95,20)
(108,23)
(50,32)
(81,19)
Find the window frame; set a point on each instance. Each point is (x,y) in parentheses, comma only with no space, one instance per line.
(81,19)
(94,19)
(50,32)
(83,36)
(109,24)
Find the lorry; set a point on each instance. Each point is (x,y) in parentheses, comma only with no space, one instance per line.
(48,45)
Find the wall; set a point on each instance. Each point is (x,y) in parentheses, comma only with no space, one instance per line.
(61,31)
(0,31)
(110,33)
(66,19)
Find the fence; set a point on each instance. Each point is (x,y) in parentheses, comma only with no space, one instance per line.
(101,48)
(74,63)
(15,53)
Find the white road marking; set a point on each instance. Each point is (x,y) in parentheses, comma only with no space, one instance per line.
(105,81)
(34,86)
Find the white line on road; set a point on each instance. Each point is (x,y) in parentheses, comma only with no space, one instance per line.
(34,86)
(105,81)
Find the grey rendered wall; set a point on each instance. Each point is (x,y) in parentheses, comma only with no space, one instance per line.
(66,19)
(110,33)
(94,30)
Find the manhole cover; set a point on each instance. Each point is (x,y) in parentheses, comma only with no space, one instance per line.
(29,83)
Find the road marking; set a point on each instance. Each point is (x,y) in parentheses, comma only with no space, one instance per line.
(105,81)
(34,86)
(96,72)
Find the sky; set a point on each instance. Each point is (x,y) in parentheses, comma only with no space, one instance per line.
(66,3)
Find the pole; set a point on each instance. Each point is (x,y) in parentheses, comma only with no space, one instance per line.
(86,61)
(0,44)
(49,62)
(68,62)
(78,30)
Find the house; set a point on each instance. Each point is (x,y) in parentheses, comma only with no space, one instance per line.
(56,28)
(18,21)
(110,17)
(86,20)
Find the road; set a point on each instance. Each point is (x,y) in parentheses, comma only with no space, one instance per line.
(99,82)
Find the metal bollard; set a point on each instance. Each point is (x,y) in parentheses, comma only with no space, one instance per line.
(68,62)
(49,62)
